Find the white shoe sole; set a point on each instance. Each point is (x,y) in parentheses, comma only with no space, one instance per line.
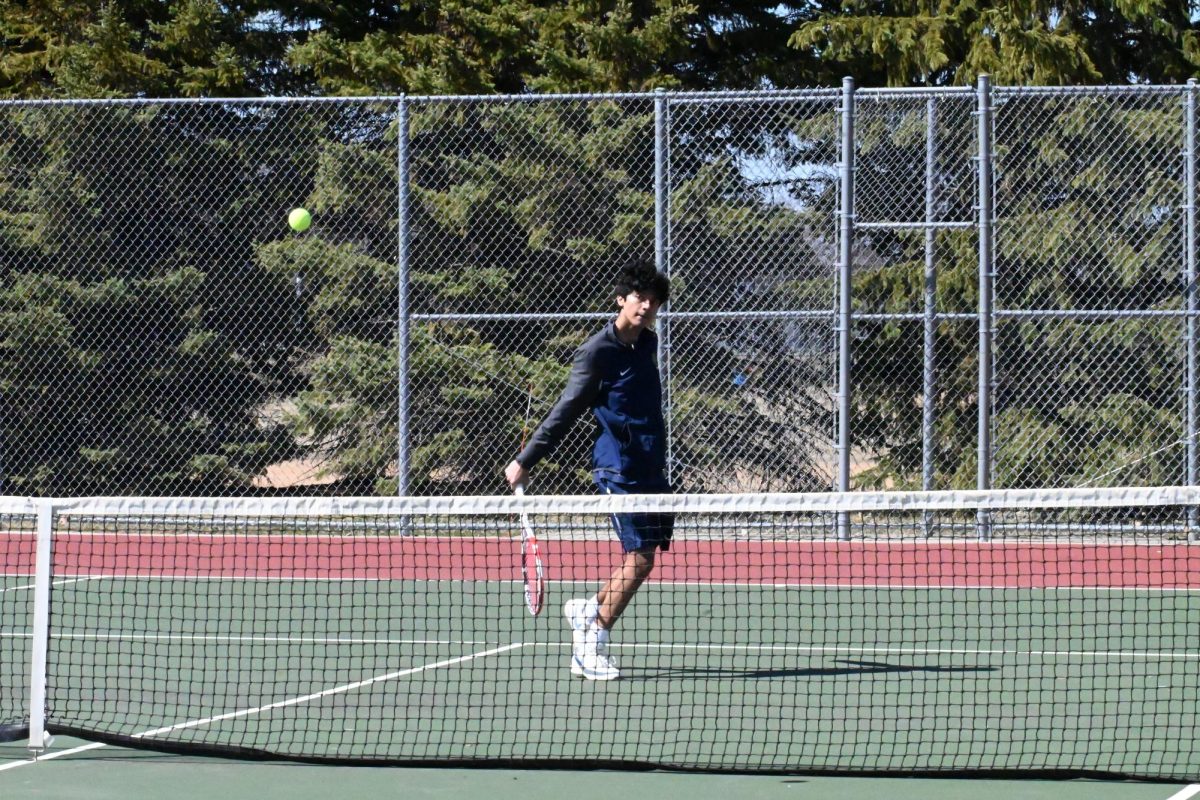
(578,671)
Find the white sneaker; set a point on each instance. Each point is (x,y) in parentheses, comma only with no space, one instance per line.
(579,656)
(573,611)
(595,666)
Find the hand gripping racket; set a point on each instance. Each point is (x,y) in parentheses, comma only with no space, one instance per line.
(532,572)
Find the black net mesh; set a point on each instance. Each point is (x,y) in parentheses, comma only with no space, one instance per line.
(976,637)
(17,549)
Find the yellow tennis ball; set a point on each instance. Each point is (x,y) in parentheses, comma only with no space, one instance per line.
(299,219)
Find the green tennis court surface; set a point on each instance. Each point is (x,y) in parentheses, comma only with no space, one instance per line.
(114,773)
(846,678)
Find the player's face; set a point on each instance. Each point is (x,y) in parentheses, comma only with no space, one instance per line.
(638,309)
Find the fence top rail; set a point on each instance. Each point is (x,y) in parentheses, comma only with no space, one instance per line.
(762,95)
(746,94)
(674,96)
(195,101)
(885,92)
(1179,89)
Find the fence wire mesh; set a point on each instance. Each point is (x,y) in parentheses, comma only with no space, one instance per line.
(163,332)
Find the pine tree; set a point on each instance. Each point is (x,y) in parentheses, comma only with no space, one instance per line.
(946,42)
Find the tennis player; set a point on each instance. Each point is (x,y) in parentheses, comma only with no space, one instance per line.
(615,375)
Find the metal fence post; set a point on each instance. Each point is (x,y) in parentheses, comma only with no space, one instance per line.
(402,377)
(986,274)
(662,261)
(928,387)
(845,273)
(1189,156)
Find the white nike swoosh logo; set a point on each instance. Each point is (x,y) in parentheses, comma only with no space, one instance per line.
(625,373)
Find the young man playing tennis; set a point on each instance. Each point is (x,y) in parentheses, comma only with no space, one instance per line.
(615,375)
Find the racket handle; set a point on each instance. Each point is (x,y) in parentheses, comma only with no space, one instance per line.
(519,490)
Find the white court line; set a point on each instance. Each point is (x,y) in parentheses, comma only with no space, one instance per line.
(748,648)
(48,756)
(195,723)
(956,587)
(52,583)
(227,639)
(1186,792)
(904,651)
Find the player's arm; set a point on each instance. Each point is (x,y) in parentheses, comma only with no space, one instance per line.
(583,385)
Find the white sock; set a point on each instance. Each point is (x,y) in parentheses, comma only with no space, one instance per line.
(596,635)
(591,610)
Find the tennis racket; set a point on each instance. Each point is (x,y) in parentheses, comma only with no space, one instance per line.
(532,573)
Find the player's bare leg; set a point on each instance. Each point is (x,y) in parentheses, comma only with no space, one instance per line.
(592,619)
(622,585)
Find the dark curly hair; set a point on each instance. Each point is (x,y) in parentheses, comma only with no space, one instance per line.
(639,275)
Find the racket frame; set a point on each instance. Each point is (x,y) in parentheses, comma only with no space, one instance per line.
(535,585)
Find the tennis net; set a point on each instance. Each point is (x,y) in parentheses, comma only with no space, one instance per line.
(17,540)
(1021,632)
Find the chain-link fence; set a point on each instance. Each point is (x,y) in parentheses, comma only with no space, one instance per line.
(840,259)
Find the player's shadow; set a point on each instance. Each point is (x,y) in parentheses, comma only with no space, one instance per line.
(850,668)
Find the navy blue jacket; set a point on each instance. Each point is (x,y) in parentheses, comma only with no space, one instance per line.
(620,384)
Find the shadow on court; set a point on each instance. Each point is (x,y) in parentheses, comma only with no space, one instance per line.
(850,668)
